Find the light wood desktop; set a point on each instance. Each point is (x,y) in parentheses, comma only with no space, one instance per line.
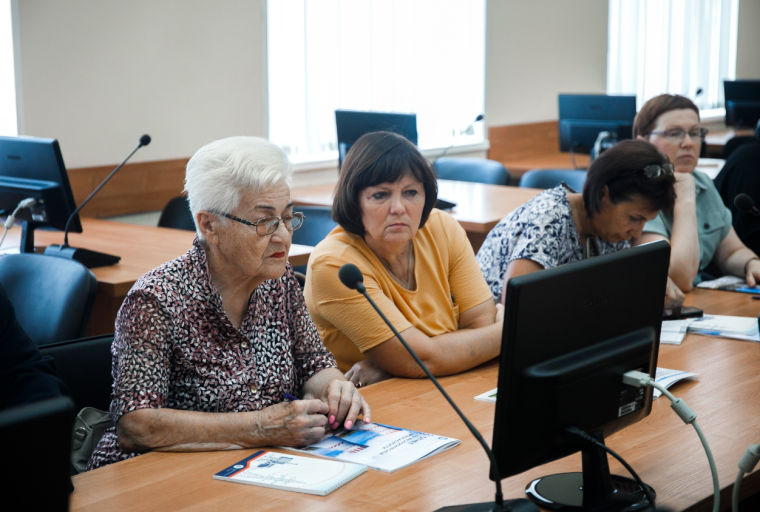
(664,451)
(717,138)
(479,206)
(141,248)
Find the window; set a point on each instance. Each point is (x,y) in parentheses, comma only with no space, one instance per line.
(421,56)
(8,120)
(685,47)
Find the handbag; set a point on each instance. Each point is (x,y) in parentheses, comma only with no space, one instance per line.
(89,427)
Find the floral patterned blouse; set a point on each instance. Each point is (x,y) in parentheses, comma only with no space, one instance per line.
(541,230)
(175,347)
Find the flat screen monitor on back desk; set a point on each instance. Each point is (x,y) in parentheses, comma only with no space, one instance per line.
(352,124)
(583,116)
(742,102)
(32,167)
(570,333)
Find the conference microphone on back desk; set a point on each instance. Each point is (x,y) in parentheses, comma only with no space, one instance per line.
(88,258)
(352,278)
(746,204)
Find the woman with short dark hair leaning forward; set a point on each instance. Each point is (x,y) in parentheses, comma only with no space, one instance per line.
(207,345)
(418,266)
(625,187)
(699,227)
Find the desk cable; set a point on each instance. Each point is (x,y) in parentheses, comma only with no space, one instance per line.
(591,440)
(746,465)
(26,203)
(640,380)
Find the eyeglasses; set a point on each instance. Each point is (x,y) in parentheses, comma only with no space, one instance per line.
(655,171)
(677,135)
(269,225)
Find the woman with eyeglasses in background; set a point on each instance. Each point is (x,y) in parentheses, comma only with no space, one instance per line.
(699,226)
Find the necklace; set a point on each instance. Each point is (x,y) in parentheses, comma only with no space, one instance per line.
(409,273)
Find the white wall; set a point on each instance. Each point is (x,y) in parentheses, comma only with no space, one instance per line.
(748,45)
(538,48)
(97,74)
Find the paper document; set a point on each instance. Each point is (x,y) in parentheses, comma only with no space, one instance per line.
(291,473)
(734,327)
(379,446)
(667,378)
(663,376)
(730,284)
(674,331)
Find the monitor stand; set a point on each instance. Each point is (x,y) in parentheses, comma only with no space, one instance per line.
(594,489)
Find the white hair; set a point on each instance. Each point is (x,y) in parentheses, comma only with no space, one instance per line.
(218,172)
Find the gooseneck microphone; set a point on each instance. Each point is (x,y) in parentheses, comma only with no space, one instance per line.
(88,258)
(746,204)
(352,278)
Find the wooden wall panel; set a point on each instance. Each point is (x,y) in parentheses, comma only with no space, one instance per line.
(523,147)
(137,187)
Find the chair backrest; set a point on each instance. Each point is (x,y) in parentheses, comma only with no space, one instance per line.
(475,170)
(177,215)
(53,297)
(550,178)
(84,365)
(316,227)
(734,143)
(37,445)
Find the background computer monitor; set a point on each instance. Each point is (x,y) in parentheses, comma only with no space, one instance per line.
(352,124)
(570,333)
(742,102)
(33,167)
(583,116)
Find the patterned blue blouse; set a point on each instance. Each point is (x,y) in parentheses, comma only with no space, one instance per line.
(541,230)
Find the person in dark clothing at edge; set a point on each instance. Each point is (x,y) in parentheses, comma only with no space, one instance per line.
(25,375)
(741,175)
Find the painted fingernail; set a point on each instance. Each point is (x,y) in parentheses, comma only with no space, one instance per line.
(335,425)
(349,424)
(367,420)
(332,419)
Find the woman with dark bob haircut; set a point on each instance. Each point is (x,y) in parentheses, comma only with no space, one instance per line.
(418,266)
(625,187)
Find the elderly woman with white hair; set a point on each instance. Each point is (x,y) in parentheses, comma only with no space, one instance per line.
(224,329)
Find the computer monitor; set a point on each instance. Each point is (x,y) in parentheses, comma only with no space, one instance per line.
(33,167)
(37,454)
(570,333)
(352,124)
(742,102)
(583,116)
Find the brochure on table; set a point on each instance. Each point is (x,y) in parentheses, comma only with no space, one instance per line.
(291,473)
(379,446)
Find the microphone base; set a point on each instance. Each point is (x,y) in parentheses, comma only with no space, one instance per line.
(88,258)
(519,505)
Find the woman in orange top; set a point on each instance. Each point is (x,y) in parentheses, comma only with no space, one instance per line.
(418,266)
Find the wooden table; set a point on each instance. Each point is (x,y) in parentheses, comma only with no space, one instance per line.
(142,248)
(665,452)
(479,206)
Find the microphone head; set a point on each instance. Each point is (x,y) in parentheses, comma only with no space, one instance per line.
(145,140)
(744,203)
(350,276)
(479,118)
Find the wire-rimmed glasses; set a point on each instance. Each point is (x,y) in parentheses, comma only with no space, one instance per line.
(269,225)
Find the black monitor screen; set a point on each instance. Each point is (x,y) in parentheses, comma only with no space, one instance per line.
(352,124)
(742,102)
(33,167)
(583,116)
(570,333)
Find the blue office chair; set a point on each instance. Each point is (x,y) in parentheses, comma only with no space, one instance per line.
(474,170)
(317,225)
(733,144)
(550,178)
(177,215)
(53,297)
